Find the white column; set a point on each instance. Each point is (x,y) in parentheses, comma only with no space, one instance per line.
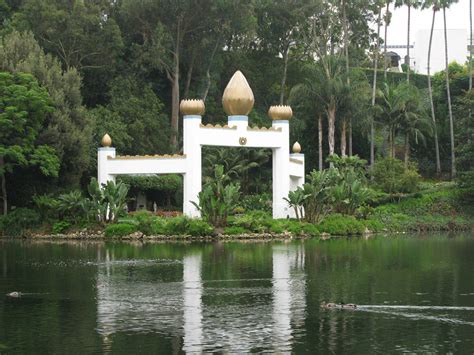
(281,171)
(298,181)
(239,121)
(102,165)
(193,177)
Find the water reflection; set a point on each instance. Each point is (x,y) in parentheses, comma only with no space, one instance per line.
(130,299)
(192,296)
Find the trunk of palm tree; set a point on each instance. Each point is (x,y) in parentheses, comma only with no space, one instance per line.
(408,44)
(4,187)
(470,47)
(343,138)
(407,149)
(430,91)
(331,125)
(320,141)
(374,90)
(283,78)
(346,52)
(387,22)
(448,92)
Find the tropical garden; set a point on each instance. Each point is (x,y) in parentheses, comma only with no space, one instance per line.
(385,151)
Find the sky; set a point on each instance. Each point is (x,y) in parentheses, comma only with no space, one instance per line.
(457,16)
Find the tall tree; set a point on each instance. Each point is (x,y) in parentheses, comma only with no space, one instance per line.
(445,4)
(66,128)
(409,4)
(434,4)
(387,20)
(24,106)
(374,88)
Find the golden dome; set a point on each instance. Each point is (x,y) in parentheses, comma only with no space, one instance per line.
(192,107)
(238,96)
(280,112)
(106,140)
(296,148)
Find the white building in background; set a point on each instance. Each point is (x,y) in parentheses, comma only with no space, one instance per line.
(458,49)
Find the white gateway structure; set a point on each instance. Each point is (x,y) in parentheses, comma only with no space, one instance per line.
(238,101)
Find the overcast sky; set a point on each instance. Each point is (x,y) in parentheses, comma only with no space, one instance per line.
(457,16)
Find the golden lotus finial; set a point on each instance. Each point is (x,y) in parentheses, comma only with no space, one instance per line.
(238,96)
(106,140)
(192,107)
(280,112)
(296,148)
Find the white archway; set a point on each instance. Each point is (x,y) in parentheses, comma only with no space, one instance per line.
(288,169)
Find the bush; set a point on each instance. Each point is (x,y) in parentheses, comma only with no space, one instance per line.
(391,176)
(235,230)
(260,202)
(218,198)
(177,226)
(18,221)
(255,221)
(310,229)
(341,225)
(60,227)
(144,221)
(119,230)
(199,228)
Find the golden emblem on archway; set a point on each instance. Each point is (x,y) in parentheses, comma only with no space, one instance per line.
(242,141)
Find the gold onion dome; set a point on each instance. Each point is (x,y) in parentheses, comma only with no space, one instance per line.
(280,112)
(192,107)
(238,96)
(106,140)
(296,148)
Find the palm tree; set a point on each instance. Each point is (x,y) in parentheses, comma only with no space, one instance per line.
(470,46)
(387,19)
(414,122)
(446,4)
(409,4)
(435,6)
(374,89)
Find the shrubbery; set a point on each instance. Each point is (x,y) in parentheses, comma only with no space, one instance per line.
(18,221)
(119,230)
(391,176)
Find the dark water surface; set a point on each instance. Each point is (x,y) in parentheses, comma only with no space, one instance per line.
(416,295)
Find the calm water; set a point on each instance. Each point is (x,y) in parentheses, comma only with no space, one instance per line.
(416,295)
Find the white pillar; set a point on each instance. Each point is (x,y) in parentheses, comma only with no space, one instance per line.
(192,180)
(102,164)
(281,171)
(298,181)
(239,121)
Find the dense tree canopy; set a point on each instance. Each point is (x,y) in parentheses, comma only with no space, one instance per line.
(122,67)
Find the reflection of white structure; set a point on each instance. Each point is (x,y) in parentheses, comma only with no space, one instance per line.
(288,169)
(238,315)
(192,303)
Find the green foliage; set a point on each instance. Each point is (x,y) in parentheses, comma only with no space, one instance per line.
(317,198)
(47,206)
(66,129)
(466,186)
(392,177)
(72,206)
(108,202)
(218,198)
(235,230)
(199,228)
(60,227)
(177,225)
(258,202)
(295,200)
(19,221)
(119,230)
(337,224)
(254,221)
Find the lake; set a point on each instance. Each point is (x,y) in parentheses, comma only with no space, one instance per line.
(415,294)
